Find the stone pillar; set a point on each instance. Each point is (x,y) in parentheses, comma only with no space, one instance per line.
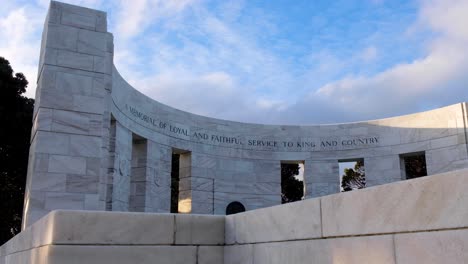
(111,166)
(382,170)
(321,178)
(196,186)
(69,140)
(122,164)
(139,176)
(158,184)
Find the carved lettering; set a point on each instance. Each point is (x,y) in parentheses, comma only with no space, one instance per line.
(262,143)
(309,145)
(178,130)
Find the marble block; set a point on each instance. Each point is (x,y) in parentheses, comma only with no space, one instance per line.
(199,229)
(448,247)
(428,203)
(112,228)
(355,250)
(65,254)
(299,220)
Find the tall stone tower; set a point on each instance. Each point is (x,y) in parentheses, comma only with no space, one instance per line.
(70,133)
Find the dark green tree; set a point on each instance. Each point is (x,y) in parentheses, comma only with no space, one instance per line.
(415,166)
(292,189)
(175,183)
(15,130)
(354,178)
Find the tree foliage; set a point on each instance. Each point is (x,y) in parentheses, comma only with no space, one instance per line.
(16,120)
(415,166)
(292,189)
(354,178)
(175,183)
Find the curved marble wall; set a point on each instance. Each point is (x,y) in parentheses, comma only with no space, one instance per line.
(234,161)
(99,144)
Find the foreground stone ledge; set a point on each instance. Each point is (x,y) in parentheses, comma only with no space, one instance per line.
(66,227)
(358,250)
(435,247)
(447,247)
(238,254)
(416,221)
(34,236)
(65,236)
(298,220)
(428,203)
(199,229)
(91,227)
(77,254)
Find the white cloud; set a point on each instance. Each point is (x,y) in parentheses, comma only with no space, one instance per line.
(179,88)
(436,79)
(369,54)
(269,90)
(211,71)
(219,67)
(19,45)
(446,17)
(134,17)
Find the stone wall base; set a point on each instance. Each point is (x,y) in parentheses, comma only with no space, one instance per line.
(423,220)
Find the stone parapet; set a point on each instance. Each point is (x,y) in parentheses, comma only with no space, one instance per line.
(415,221)
(114,237)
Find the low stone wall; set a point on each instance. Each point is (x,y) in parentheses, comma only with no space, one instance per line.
(69,237)
(423,220)
(417,221)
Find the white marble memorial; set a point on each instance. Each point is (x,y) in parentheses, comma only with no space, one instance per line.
(99,144)
(99,176)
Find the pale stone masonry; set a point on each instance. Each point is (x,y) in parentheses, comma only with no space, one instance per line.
(70,135)
(100,173)
(99,144)
(422,220)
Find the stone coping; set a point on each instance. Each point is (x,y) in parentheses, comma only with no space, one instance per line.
(431,203)
(67,227)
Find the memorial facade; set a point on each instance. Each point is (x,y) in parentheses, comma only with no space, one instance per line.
(99,144)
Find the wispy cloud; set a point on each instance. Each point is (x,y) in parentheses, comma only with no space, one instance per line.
(19,32)
(307,63)
(436,79)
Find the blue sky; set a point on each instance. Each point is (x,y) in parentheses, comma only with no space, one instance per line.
(280,62)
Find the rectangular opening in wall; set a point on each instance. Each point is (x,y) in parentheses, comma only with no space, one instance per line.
(413,165)
(292,181)
(175,182)
(181,194)
(352,174)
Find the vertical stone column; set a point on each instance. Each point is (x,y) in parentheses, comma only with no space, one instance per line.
(196,188)
(139,176)
(111,166)
(382,170)
(158,184)
(199,183)
(122,164)
(321,178)
(464,134)
(69,140)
